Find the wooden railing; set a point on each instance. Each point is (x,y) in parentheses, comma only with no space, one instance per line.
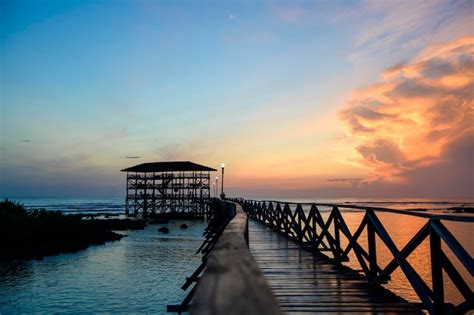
(168,176)
(229,280)
(319,234)
(232,282)
(219,216)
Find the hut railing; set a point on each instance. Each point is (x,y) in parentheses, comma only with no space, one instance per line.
(325,235)
(168,196)
(168,176)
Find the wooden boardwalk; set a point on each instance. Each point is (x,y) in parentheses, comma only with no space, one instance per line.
(307,282)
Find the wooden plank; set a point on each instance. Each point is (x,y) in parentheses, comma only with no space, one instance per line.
(418,284)
(232,282)
(454,245)
(308,282)
(447,217)
(437,273)
(457,279)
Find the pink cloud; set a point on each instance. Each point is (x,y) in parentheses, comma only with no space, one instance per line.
(416,125)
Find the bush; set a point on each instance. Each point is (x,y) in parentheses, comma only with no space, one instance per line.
(26,234)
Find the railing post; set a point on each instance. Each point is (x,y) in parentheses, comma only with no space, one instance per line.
(315,225)
(337,237)
(372,248)
(247,233)
(436,271)
(300,230)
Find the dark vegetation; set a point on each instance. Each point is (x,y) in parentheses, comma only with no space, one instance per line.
(462,209)
(37,233)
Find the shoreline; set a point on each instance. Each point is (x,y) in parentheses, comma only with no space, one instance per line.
(26,235)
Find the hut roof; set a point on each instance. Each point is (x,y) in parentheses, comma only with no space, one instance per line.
(175,166)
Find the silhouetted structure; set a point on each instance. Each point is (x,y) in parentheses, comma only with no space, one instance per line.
(168,187)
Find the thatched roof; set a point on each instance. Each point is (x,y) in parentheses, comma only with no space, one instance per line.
(176,166)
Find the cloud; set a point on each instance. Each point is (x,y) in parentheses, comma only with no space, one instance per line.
(364,111)
(232,16)
(25,141)
(393,70)
(405,24)
(453,169)
(415,126)
(381,151)
(354,182)
(344,180)
(133,157)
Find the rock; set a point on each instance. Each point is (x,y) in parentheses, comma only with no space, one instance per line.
(184,226)
(164,230)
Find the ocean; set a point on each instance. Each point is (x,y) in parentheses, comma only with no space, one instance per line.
(143,272)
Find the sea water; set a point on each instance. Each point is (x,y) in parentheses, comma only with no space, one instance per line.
(141,273)
(144,271)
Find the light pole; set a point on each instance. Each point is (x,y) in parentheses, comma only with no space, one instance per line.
(222,182)
(215,186)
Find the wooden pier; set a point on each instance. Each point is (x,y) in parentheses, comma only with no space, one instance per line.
(269,257)
(305,282)
(176,188)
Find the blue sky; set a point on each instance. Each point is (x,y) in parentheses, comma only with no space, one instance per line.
(84,84)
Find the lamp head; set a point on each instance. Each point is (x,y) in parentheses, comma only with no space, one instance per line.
(222,165)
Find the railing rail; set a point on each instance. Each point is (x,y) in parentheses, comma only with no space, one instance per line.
(168,176)
(322,234)
(228,281)
(220,215)
(168,196)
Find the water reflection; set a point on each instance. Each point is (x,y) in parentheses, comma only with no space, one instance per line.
(401,229)
(141,273)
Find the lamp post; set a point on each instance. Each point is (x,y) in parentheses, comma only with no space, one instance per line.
(215,186)
(222,181)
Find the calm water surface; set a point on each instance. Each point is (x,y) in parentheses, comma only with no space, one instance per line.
(141,273)
(144,271)
(401,229)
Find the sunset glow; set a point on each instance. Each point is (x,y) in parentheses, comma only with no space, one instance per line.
(373,98)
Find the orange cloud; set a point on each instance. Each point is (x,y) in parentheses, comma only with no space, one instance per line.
(417,115)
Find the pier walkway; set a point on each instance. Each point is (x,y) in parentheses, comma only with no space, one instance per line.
(272,257)
(304,281)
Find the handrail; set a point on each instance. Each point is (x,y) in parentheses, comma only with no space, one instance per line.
(222,213)
(319,234)
(232,282)
(169,176)
(447,217)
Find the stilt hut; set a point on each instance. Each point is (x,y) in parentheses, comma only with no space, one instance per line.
(167,187)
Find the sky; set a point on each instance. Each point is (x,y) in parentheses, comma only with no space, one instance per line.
(301,99)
